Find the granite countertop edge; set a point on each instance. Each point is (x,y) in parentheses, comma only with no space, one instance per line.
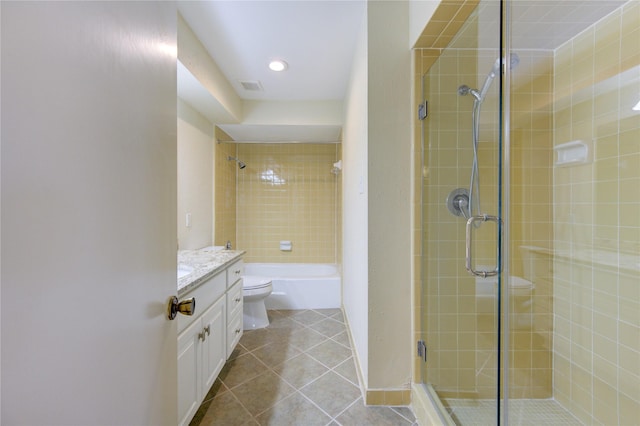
(205,263)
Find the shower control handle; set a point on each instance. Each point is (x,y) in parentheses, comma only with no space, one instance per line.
(469,244)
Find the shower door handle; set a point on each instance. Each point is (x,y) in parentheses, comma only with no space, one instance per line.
(468,251)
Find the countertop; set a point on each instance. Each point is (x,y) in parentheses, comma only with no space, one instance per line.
(206,262)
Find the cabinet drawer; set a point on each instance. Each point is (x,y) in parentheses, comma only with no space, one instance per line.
(234,300)
(205,294)
(235,272)
(234,332)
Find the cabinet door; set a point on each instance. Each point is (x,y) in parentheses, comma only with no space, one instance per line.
(214,347)
(234,332)
(189,377)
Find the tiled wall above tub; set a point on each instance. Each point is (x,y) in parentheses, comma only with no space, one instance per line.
(287,192)
(225,191)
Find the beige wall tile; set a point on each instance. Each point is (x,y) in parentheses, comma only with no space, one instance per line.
(288,193)
(595,344)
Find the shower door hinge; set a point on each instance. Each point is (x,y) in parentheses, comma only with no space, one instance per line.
(422,350)
(422,110)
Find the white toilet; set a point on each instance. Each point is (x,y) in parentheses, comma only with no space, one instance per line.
(254,291)
(520,292)
(535,263)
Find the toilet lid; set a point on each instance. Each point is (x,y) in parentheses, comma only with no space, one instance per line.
(250,282)
(519,282)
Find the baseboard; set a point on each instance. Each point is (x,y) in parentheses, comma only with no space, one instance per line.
(392,397)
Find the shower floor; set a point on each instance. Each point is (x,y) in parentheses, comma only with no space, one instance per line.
(533,412)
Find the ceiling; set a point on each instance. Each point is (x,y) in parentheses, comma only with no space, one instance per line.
(317,40)
(547,24)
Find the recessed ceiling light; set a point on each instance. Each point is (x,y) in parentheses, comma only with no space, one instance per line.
(277,65)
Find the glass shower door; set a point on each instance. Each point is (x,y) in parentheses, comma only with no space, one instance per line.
(461,225)
(553,338)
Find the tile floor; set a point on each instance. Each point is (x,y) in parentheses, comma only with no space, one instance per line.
(299,371)
(522,412)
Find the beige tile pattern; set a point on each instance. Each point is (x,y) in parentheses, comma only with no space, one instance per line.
(298,371)
(287,192)
(445,23)
(225,191)
(597,211)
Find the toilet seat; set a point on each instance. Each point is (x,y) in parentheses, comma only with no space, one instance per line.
(254,283)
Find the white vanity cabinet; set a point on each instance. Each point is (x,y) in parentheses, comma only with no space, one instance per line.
(204,339)
(201,356)
(234,305)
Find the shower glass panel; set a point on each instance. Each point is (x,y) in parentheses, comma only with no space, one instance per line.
(461,160)
(575,211)
(563,344)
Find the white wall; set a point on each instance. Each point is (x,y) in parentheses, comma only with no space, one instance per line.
(293,112)
(355,291)
(389,172)
(196,59)
(195,178)
(420,12)
(376,191)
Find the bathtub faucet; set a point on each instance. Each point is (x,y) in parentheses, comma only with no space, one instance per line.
(228,245)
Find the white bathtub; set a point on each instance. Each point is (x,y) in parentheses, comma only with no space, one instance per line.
(300,285)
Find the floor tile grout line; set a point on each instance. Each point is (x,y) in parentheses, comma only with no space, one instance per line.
(325,365)
(242,405)
(347,408)
(248,380)
(331,418)
(347,379)
(300,387)
(297,391)
(255,417)
(341,344)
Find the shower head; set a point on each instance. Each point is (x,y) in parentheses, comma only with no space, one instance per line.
(241,164)
(514,60)
(480,94)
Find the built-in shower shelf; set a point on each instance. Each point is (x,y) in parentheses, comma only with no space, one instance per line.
(573,153)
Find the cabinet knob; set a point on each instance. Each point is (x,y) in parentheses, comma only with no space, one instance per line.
(185,307)
(238,300)
(238,331)
(207,330)
(237,271)
(202,336)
